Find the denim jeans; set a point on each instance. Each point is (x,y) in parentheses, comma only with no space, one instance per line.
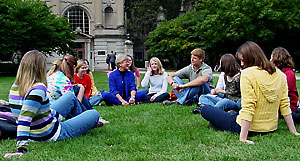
(68,105)
(95,100)
(78,125)
(111,99)
(84,101)
(220,103)
(159,98)
(190,92)
(220,119)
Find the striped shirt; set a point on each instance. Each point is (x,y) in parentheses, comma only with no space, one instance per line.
(36,121)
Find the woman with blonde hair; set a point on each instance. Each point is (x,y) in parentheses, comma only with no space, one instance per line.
(81,77)
(38,120)
(122,88)
(157,77)
(263,90)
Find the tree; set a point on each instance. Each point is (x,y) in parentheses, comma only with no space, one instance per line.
(142,16)
(27,25)
(219,27)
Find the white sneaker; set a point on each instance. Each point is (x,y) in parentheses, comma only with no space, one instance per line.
(103,121)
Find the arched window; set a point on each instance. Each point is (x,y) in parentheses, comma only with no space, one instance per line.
(78,19)
(109,17)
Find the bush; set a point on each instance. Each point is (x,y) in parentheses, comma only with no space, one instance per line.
(9,69)
(139,63)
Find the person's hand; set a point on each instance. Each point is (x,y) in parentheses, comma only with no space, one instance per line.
(218,90)
(137,87)
(98,92)
(297,134)
(124,103)
(149,69)
(181,86)
(80,85)
(213,91)
(246,141)
(132,100)
(8,155)
(152,98)
(174,85)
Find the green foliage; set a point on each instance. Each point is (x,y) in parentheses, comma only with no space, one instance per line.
(8,68)
(142,15)
(219,27)
(27,25)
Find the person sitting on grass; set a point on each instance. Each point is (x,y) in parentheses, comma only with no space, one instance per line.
(60,79)
(232,92)
(263,90)
(81,77)
(283,60)
(122,88)
(200,79)
(157,77)
(38,120)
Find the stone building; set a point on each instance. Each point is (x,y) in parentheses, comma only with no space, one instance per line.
(99,28)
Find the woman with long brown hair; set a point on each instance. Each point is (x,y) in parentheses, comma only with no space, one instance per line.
(231,93)
(263,90)
(61,78)
(283,60)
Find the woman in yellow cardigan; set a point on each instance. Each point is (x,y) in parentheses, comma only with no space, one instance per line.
(263,90)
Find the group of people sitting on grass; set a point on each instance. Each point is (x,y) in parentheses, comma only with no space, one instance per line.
(247,100)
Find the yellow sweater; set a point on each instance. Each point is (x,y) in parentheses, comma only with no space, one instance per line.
(262,95)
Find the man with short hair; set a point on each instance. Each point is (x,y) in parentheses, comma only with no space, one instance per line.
(200,79)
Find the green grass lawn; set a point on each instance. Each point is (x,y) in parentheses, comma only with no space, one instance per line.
(156,132)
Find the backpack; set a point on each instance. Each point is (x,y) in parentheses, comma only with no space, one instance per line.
(8,125)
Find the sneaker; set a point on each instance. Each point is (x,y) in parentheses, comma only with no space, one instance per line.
(103,121)
(232,112)
(189,102)
(167,102)
(197,111)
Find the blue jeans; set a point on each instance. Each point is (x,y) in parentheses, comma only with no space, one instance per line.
(220,119)
(95,100)
(84,101)
(78,125)
(190,92)
(68,105)
(159,98)
(225,121)
(110,99)
(223,104)
(81,120)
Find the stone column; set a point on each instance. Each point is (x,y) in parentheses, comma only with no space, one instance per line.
(128,49)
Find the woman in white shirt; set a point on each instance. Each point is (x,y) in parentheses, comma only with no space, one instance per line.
(157,77)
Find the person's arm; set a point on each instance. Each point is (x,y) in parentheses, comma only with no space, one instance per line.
(290,123)
(132,97)
(221,81)
(93,86)
(88,90)
(121,100)
(244,132)
(206,75)
(81,92)
(196,82)
(138,78)
(171,82)
(30,107)
(286,111)
(248,106)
